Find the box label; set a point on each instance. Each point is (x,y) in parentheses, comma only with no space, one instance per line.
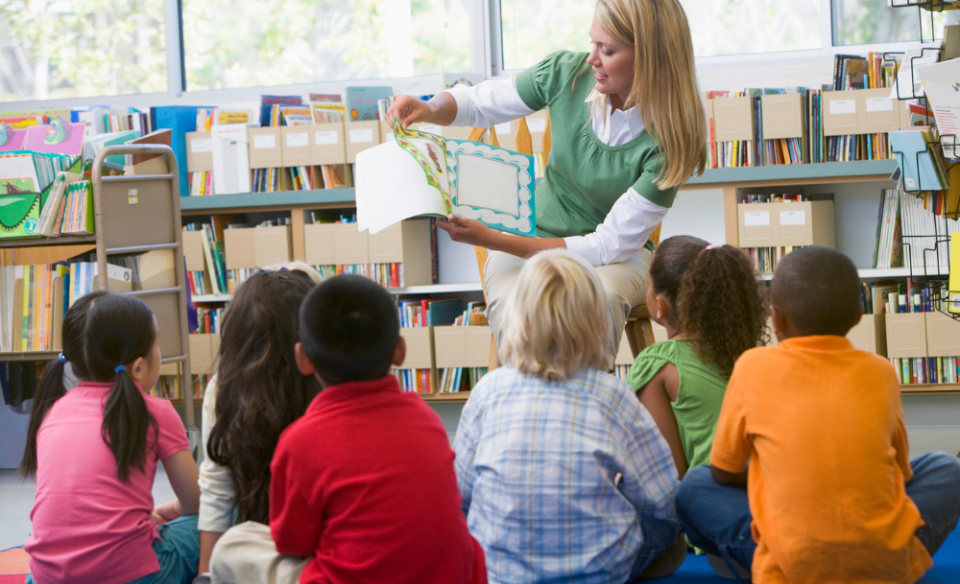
(298,140)
(264,142)
(879,104)
(363,136)
(793,217)
(756,218)
(504,128)
(201,145)
(326,138)
(431,129)
(840,107)
(537,124)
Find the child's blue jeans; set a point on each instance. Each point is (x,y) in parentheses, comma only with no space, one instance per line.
(178,553)
(716,518)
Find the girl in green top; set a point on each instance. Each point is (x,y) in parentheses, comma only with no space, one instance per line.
(709,300)
(628,129)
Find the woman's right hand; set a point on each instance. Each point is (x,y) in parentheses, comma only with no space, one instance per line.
(409,111)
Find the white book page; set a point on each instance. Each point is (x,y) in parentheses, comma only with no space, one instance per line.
(391,187)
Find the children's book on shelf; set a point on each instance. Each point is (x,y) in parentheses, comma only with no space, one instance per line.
(921,171)
(362,102)
(231,162)
(412,314)
(422,174)
(940,83)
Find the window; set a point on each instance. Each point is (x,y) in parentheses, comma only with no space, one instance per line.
(531,29)
(81,48)
(861,22)
(249,43)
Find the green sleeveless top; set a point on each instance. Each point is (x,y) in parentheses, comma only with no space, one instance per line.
(699,397)
(584,177)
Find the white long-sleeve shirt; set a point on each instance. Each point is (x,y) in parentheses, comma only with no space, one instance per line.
(217,496)
(632,219)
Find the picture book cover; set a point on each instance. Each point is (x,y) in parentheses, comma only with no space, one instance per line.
(11,139)
(56,138)
(362,102)
(422,174)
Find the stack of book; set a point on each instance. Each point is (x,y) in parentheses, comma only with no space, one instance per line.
(457,379)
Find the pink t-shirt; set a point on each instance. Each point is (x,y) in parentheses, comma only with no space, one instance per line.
(88,527)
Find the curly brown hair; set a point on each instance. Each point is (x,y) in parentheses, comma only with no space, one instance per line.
(720,304)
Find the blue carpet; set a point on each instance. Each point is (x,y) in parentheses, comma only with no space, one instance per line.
(945,570)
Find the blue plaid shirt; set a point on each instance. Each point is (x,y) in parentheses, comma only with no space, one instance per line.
(556,478)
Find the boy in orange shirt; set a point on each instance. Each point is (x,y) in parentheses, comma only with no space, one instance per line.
(831,495)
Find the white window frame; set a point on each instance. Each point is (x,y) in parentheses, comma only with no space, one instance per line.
(720,72)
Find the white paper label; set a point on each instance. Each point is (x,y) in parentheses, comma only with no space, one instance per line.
(879,104)
(537,124)
(298,140)
(361,136)
(201,145)
(843,106)
(793,217)
(504,128)
(756,218)
(264,142)
(431,129)
(326,138)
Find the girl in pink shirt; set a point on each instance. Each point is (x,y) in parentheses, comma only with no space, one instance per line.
(94,451)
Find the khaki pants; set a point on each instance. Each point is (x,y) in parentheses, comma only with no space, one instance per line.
(624,283)
(246,555)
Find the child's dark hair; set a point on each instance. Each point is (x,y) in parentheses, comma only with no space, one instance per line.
(259,389)
(349,329)
(715,294)
(818,289)
(102,331)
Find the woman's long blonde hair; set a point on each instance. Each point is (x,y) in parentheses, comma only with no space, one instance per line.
(665,88)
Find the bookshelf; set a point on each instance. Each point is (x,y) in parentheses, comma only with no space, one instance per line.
(133,214)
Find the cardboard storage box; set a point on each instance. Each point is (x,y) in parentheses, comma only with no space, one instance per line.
(462,346)
(906,335)
(870,334)
(786,224)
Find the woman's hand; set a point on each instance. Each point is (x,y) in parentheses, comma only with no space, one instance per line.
(409,111)
(469,231)
(167,512)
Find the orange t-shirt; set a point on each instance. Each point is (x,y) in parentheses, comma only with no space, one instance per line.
(822,427)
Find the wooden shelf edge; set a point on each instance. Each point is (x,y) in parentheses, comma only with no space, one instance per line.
(931,388)
(460,397)
(830,172)
(49,241)
(235,203)
(30,356)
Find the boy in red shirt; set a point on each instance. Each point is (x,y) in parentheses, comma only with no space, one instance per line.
(363,487)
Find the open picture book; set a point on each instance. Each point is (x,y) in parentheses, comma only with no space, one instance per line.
(424,175)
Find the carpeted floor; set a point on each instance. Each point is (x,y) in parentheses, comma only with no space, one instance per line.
(946,569)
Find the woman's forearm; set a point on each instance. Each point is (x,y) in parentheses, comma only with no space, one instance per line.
(444,108)
(524,247)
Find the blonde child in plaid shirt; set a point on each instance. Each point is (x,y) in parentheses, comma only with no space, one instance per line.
(562,472)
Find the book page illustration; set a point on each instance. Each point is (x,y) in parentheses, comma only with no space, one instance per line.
(492,185)
(430,152)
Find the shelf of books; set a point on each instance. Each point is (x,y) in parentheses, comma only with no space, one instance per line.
(828,172)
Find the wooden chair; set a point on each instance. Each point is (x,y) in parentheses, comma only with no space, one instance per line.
(639,328)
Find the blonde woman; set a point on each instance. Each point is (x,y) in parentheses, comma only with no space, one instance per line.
(628,129)
(563,474)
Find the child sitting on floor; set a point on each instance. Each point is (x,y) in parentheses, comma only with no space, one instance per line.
(831,495)
(708,299)
(363,486)
(257,392)
(563,474)
(95,449)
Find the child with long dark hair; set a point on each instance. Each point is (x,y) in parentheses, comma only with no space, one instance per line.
(709,300)
(94,451)
(255,395)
